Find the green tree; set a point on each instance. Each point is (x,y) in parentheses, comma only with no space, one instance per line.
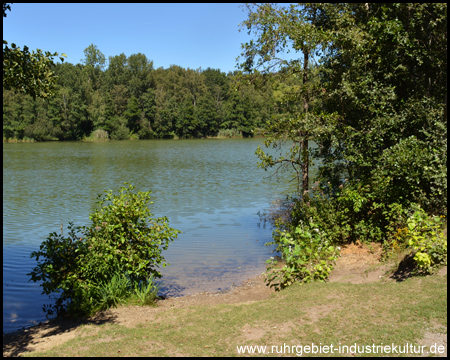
(30,73)
(164,118)
(379,117)
(193,81)
(234,112)
(217,83)
(97,110)
(133,114)
(94,57)
(116,74)
(214,102)
(186,125)
(94,64)
(385,76)
(70,99)
(40,125)
(172,97)
(209,115)
(278,31)
(140,74)
(13,114)
(148,105)
(120,98)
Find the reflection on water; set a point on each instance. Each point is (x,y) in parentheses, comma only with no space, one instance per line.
(209,189)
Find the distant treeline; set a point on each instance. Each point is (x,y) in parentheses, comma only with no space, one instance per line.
(131,99)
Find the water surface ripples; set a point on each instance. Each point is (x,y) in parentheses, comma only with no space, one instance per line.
(209,189)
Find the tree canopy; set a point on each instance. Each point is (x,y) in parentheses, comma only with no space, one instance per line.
(279,31)
(381,91)
(130,98)
(28,72)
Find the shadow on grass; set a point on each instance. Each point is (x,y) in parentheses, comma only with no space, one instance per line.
(25,340)
(19,342)
(405,269)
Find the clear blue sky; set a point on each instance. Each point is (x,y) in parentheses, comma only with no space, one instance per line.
(188,35)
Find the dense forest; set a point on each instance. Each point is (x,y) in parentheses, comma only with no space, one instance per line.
(131,99)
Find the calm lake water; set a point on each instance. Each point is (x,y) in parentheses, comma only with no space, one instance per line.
(209,189)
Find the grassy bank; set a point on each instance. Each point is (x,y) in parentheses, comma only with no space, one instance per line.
(389,312)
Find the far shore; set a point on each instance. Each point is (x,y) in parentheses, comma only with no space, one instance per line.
(14,140)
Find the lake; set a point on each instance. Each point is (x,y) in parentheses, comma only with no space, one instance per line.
(210,189)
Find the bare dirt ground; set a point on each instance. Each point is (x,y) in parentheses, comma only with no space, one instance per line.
(358,264)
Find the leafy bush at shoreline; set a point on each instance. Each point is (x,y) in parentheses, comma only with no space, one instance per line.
(113,258)
(307,233)
(308,255)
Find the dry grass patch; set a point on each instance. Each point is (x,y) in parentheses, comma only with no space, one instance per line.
(255,332)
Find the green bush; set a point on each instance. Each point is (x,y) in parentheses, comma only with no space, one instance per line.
(425,237)
(43,130)
(324,210)
(123,239)
(307,254)
(57,270)
(120,133)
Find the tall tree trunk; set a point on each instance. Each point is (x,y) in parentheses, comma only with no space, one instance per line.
(304,142)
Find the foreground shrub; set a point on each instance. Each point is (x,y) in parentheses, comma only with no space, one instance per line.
(307,231)
(348,214)
(122,241)
(307,253)
(426,238)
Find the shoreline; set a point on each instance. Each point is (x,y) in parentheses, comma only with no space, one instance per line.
(235,294)
(356,267)
(160,301)
(14,140)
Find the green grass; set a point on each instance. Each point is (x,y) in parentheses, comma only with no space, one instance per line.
(333,313)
